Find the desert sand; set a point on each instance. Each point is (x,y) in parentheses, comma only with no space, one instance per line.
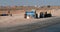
(17,19)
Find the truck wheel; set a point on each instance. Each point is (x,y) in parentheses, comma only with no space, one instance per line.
(25,16)
(36,15)
(45,15)
(49,15)
(41,15)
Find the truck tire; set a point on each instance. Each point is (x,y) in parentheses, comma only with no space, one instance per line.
(45,15)
(36,15)
(25,16)
(49,15)
(41,15)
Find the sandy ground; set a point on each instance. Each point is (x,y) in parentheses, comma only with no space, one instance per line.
(18,19)
(9,23)
(28,26)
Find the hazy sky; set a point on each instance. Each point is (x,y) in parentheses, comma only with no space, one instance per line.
(29,2)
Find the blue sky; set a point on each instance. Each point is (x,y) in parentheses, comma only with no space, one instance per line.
(29,2)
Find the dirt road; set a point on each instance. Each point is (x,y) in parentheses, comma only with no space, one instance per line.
(26,25)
